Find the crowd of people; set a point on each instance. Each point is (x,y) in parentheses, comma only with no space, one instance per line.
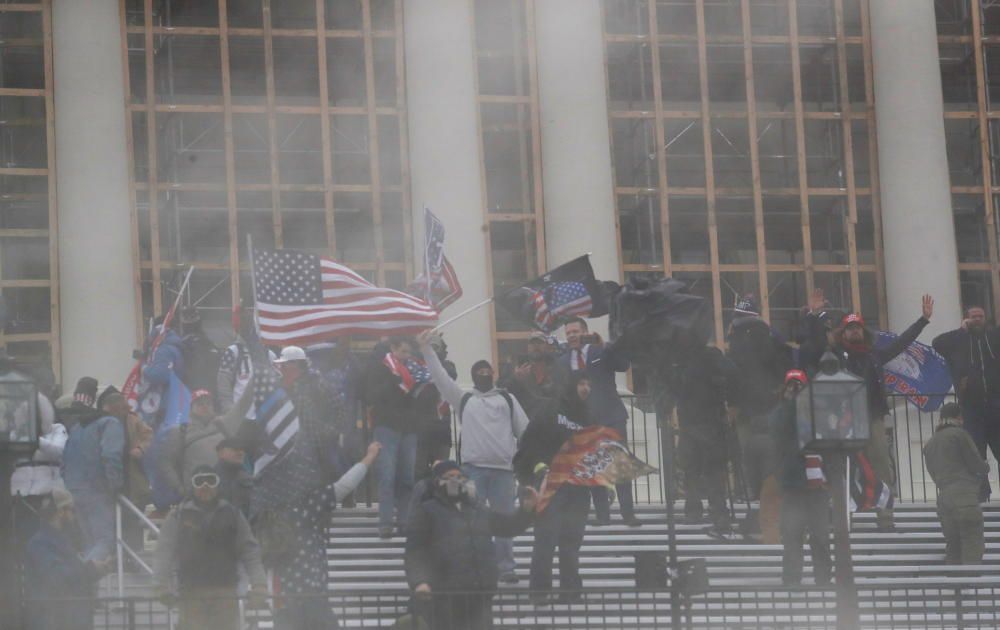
(390,412)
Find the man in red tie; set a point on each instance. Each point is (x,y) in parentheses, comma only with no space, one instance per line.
(587,352)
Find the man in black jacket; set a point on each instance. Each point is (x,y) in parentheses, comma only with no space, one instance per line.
(449,550)
(761,359)
(806,497)
(854,346)
(973,356)
(535,381)
(395,428)
(703,382)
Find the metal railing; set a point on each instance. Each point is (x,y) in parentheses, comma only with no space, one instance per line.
(892,605)
(908,430)
(123,508)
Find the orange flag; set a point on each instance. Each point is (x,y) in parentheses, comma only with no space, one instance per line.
(594,456)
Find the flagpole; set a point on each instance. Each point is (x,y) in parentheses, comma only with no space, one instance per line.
(253,285)
(474,307)
(177,301)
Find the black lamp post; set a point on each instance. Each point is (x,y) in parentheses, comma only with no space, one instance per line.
(19,429)
(832,418)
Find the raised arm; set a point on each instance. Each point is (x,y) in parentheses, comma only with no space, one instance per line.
(233,418)
(449,389)
(909,335)
(350,480)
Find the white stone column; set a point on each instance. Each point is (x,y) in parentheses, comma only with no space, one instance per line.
(445,157)
(576,147)
(97,290)
(917,226)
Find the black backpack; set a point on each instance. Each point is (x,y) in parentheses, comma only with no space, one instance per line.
(201,362)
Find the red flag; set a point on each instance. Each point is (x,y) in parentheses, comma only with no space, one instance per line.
(594,456)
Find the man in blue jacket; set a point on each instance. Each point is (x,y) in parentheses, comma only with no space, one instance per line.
(59,581)
(588,352)
(93,471)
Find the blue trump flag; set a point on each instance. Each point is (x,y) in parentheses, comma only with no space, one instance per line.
(176,409)
(919,373)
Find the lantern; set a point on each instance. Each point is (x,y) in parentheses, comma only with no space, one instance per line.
(18,414)
(832,410)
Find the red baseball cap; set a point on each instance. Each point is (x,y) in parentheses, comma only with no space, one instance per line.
(200,393)
(796,375)
(853,318)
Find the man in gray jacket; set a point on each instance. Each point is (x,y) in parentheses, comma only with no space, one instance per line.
(191,445)
(492,421)
(958,471)
(201,546)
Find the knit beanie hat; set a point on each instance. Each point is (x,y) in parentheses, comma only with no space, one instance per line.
(86,390)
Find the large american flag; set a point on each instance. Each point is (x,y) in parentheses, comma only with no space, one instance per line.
(560,300)
(303,298)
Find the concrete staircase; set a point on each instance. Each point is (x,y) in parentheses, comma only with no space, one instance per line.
(902,579)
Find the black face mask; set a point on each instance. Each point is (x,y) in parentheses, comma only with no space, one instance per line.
(482,383)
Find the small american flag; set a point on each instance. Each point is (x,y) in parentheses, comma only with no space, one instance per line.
(562,299)
(303,298)
(413,374)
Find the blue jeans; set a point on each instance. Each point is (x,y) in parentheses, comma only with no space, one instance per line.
(96,514)
(496,487)
(394,467)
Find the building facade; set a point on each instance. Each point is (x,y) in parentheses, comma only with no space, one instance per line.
(743,146)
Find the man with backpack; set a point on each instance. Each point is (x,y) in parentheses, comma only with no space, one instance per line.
(201,357)
(492,421)
(761,359)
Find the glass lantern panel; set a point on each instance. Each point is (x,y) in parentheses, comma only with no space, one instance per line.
(18,413)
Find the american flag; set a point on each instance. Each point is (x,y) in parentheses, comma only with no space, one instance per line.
(559,300)
(413,374)
(303,298)
(274,409)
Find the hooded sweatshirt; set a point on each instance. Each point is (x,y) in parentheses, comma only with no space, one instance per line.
(490,427)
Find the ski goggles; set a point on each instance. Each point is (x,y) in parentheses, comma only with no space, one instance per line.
(202,480)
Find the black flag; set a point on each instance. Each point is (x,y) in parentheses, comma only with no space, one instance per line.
(569,290)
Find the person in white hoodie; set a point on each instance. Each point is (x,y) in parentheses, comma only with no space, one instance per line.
(36,477)
(492,421)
